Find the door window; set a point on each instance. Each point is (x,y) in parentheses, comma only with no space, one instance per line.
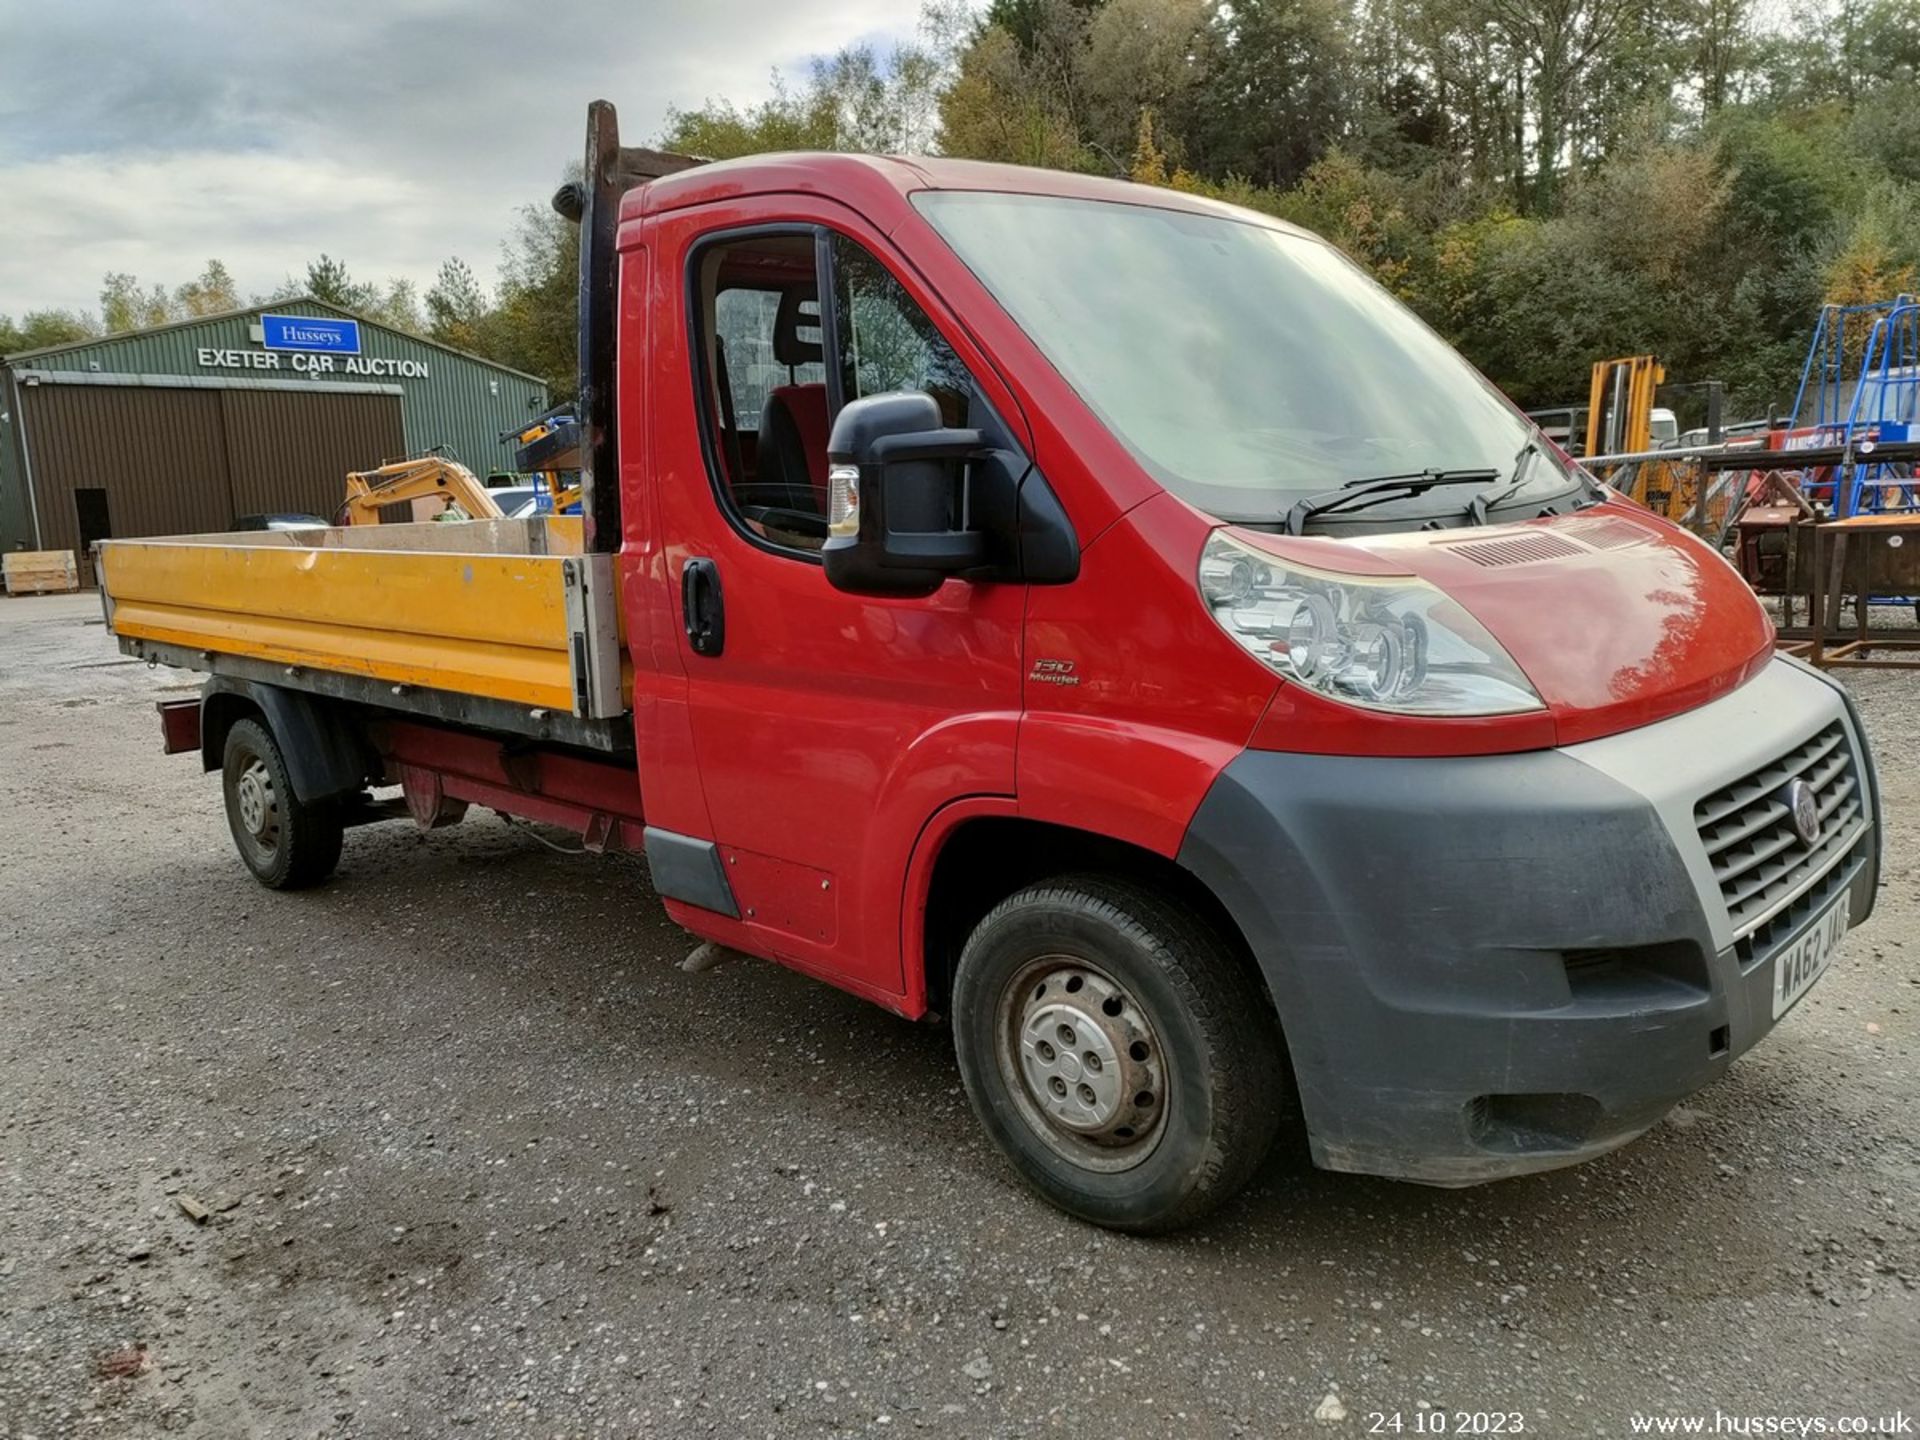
(747,322)
(886,341)
(762,360)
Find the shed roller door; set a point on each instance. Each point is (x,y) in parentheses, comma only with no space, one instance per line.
(292,449)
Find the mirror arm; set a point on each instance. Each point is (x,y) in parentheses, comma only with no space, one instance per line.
(926,445)
(940,549)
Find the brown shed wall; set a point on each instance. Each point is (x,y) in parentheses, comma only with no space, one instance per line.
(184,461)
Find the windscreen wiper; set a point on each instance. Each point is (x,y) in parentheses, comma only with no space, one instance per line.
(1478,507)
(1362,494)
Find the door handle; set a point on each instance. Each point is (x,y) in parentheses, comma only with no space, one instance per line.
(703,607)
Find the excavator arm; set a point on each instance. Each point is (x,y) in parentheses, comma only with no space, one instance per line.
(425,476)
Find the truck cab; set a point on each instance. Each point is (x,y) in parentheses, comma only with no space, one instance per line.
(1105,618)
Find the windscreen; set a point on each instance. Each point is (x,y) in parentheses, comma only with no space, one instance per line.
(1245,365)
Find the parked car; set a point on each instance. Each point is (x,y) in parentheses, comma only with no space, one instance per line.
(289,520)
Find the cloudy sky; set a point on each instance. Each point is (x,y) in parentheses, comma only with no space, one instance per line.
(149,135)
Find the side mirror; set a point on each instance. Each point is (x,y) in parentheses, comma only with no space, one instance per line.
(898,518)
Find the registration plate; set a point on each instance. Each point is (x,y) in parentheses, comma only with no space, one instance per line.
(1805,961)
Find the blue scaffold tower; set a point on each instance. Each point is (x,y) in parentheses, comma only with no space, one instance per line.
(1859,405)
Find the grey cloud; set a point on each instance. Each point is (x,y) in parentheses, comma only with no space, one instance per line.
(416,126)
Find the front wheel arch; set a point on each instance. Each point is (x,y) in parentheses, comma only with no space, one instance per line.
(983,857)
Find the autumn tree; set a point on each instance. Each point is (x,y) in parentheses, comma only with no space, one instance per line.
(126,304)
(212,292)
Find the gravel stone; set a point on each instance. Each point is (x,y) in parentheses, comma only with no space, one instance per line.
(508,1170)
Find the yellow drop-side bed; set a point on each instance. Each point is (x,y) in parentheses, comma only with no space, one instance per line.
(504,622)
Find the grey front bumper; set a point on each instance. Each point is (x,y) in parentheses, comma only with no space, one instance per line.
(1492,965)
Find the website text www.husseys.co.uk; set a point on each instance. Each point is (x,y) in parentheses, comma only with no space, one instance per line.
(1722,1423)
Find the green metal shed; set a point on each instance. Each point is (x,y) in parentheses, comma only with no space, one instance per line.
(182,426)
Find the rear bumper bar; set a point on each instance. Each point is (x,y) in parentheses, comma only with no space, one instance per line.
(1492,965)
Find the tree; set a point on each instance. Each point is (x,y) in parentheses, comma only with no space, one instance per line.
(1555,43)
(855,100)
(126,305)
(212,293)
(328,281)
(533,327)
(1720,35)
(395,304)
(1879,256)
(996,108)
(1139,56)
(456,307)
(1277,90)
(39,329)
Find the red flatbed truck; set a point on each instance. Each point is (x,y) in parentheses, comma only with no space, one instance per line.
(1105,617)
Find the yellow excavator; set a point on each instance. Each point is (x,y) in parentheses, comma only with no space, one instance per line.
(425,477)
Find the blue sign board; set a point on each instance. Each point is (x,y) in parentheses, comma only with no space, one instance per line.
(304,332)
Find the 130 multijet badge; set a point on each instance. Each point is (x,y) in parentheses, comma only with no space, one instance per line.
(1054,672)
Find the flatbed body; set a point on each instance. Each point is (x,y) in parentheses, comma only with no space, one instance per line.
(505,624)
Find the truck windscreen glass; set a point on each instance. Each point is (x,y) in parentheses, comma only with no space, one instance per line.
(1247,366)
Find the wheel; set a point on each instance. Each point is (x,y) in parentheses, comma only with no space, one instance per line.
(1119,1051)
(287,843)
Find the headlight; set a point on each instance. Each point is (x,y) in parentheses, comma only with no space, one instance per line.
(1387,644)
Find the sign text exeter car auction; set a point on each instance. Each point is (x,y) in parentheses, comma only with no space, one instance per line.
(313,345)
(210,358)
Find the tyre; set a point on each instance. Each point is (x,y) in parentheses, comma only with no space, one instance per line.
(1119,1050)
(287,843)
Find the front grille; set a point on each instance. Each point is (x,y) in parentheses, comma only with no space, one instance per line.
(1759,860)
(1778,928)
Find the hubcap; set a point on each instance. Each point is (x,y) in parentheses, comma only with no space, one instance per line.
(253,795)
(1084,1061)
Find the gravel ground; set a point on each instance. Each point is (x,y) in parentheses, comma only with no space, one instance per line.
(481,1159)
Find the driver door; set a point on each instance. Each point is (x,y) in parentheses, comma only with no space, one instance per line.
(828,727)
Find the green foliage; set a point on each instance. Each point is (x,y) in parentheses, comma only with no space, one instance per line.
(1548,182)
(38,329)
(126,305)
(212,293)
(1277,94)
(532,324)
(855,100)
(996,108)
(456,307)
(395,304)
(328,281)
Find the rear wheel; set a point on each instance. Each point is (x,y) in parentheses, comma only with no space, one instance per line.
(1119,1051)
(287,843)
